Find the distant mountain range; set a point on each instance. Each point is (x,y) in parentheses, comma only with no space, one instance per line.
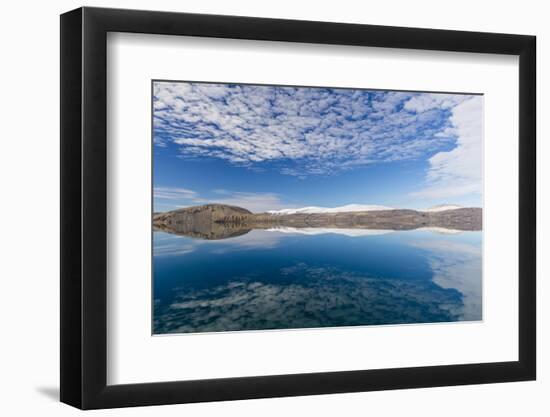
(355,208)
(342,209)
(219,221)
(442,207)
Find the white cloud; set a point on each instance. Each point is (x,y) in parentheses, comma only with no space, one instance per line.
(172,197)
(305,131)
(255,202)
(459,171)
(424,102)
(174,193)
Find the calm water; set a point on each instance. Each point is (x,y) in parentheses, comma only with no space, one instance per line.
(281,279)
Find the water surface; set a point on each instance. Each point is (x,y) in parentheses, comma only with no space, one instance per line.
(281,279)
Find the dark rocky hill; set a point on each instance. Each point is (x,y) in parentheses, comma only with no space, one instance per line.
(210,221)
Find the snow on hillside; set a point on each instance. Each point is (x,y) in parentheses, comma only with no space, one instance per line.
(442,207)
(341,209)
(325,230)
(355,232)
(439,230)
(356,207)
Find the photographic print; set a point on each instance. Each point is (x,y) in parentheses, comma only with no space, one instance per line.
(289,207)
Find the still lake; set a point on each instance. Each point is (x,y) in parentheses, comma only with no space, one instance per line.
(287,279)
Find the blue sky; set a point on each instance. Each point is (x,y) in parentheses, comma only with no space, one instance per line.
(270,147)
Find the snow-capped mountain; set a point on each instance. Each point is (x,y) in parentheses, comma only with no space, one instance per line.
(442,207)
(342,209)
(356,207)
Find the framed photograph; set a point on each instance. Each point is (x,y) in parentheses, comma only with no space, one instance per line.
(258,208)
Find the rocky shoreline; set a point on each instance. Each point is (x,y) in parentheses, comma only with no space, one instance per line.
(219,221)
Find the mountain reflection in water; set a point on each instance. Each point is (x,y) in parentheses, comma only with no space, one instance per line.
(282,279)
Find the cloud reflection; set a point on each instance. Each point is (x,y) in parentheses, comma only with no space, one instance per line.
(306,297)
(457,265)
(170,244)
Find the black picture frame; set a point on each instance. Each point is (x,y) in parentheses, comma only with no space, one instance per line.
(84,207)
